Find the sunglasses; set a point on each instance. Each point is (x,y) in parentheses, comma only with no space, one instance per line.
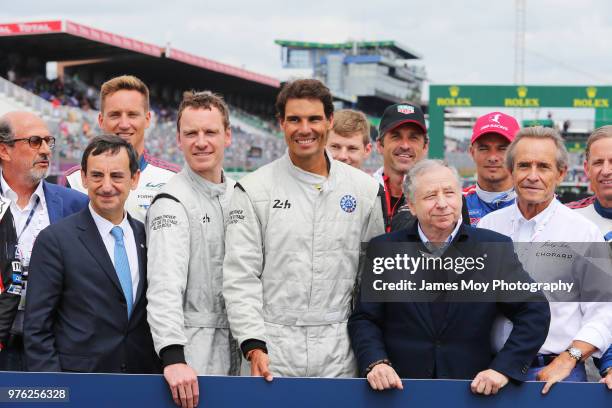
(35,141)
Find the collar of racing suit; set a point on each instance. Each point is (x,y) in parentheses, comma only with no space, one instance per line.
(207,187)
(495,197)
(601,210)
(322,183)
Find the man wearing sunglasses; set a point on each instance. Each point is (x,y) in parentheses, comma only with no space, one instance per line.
(28,204)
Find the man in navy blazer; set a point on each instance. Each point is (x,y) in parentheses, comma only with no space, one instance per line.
(86,309)
(445,339)
(28,205)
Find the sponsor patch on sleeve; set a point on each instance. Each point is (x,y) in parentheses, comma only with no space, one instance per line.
(165,221)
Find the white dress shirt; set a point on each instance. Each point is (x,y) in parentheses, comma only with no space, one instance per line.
(39,221)
(586,321)
(104,228)
(449,239)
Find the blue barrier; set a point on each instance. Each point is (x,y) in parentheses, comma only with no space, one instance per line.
(110,391)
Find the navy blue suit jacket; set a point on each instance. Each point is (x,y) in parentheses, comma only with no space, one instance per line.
(62,201)
(76,313)
(460,346)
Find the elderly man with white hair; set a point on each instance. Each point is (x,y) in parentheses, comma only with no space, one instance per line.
(406,338)
(537,160)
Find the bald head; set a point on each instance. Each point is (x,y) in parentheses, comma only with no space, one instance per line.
(22,122)
(23,163)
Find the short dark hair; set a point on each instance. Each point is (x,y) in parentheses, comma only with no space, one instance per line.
(304,89)
(203,100)
(109,143)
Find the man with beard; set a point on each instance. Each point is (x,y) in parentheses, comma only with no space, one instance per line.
(124,111)
(402,142)
(25,153)
(292,247)
(493,190)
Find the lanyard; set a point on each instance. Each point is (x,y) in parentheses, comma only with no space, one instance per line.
(32,211)
(27,224)
(390,210)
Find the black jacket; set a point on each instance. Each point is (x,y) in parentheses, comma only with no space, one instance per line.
(8,301)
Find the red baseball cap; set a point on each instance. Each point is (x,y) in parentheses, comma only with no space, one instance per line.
(495,122)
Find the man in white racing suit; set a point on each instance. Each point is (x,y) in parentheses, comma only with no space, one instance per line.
(124,111)
(292,247)
(185,234)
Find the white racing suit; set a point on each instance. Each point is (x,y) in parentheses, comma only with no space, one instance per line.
(290,271)
(154,173)
(185,236)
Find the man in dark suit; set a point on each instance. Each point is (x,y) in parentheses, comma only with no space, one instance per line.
(28,204)
(86,310)
(445,339)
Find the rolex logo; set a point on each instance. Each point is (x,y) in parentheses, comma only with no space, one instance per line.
(521,91)
(454,91)
(591,92)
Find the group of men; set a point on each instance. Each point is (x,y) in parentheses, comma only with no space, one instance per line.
(261,276)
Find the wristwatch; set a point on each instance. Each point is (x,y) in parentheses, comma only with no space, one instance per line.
(575,353)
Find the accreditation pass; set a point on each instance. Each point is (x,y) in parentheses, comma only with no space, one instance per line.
(34,394)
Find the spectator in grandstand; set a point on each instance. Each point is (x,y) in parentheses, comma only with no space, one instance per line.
(124,111)
(402,141)
(292,246)
(185,233)
(493,190)
(86,308)
(427,340)
(349,137)
(598,208)
(537,160)
(28,204)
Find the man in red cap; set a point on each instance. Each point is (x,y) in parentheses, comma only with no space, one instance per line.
(493,190)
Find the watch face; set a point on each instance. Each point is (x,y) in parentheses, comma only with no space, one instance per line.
(575,353)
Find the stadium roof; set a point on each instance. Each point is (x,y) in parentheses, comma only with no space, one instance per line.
(62,40)
(400,49)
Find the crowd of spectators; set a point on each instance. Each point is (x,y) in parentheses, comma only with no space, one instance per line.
(68,91)
(75,127)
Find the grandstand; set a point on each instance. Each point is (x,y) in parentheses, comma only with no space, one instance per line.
(86,57)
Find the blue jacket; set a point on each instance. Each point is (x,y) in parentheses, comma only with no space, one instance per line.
(459,346)
(62,201)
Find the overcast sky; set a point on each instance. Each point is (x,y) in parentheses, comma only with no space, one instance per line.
(469,41)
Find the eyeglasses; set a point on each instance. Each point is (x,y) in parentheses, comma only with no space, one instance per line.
(35,141)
